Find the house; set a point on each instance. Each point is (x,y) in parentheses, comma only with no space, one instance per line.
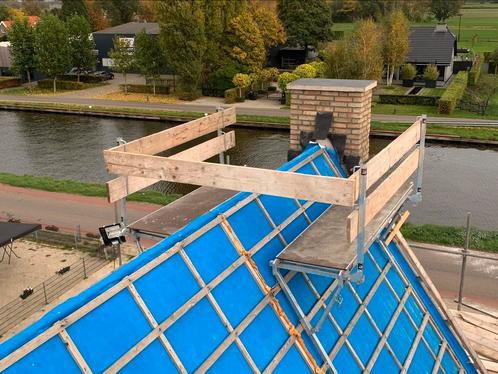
(433,45)
(104,39)
(5,61)
(6,24)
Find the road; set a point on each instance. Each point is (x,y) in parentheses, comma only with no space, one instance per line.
(257,108)
(66,211)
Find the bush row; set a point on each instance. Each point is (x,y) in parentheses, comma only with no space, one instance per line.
(453,93)
(61,85)
(84,78)
(143,88)
(408,99)
(6,82)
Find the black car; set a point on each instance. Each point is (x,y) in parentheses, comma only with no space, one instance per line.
(102,73)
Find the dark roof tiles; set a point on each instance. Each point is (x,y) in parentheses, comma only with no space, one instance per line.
(428,46)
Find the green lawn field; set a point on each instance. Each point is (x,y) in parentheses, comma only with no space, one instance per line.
(477,19)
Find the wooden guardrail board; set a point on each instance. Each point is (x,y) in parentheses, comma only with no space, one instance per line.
(123,186)
(272,182)
(383,193)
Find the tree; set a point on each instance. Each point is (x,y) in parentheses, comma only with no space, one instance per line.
(307,22)
(444,9)
(147,11)
(148,57)
(270,27)
(241,81)
(396,30)
(81,44)
(53,53)
(96,15)
(21,37)
(31,8)
(122,58)
(74,7)
(119,11)
(4,12)
(245,43)
(183,39)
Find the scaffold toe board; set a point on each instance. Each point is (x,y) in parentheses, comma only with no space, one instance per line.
(205,299)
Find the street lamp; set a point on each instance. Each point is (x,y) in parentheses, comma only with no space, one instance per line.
(459,25)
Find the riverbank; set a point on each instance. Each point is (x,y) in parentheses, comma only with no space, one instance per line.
(481,240)
(471,134)
(80,188)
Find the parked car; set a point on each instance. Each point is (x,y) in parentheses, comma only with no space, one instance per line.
(79,71)
(102,73)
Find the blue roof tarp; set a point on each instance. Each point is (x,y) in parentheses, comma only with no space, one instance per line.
(205,299)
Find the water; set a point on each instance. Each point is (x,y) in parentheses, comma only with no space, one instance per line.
(456,179)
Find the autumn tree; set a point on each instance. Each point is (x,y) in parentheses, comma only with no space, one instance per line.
(122,58)
(307,22)
(4,12)
(52,49)
(444,9)
(395,33)
(96,15)
(80,43)
(22,37)
(31,7)
(183,39)
(119,11)
(366,50)
(245,43)
(146,11)
(148,57)
(269,25)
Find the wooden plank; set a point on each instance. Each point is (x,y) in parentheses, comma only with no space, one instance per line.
(169,138)
(121,187)
(73,350)
(397,227)
(383,193)
(439,357)
(390,155)
(272,182)
(415,343)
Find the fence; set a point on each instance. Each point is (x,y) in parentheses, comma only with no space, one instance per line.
(465,254)
(34,299)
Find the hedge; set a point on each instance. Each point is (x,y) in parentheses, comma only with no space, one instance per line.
(453,93)
(143,88)
(408,99)
(61,85)
(84,78)
(475,72)
(232,95)
(6,82)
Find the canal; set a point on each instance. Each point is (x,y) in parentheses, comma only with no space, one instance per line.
(456,180)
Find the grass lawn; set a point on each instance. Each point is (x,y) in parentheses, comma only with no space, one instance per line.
(80,188)
(451,236)
(391,90)
(142,97)
(437,92)
(477,19)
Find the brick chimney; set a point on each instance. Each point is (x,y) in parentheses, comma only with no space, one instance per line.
(348,100)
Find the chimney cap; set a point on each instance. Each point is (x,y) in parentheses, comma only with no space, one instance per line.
(341,85)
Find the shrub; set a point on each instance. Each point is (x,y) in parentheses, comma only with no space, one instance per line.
(285,78)
(408,72)
(408,100)
(189,95)
(143,88)
(83,78)
(272,74)
(431,73)
(453,93)
(7,82)
(475,72)
(220,80)
(232,95)
(320,68)
(48,84)
(241,81)
(305,71)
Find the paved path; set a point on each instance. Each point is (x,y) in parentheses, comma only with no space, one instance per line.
(63,210)
(66,211)
(258,108)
